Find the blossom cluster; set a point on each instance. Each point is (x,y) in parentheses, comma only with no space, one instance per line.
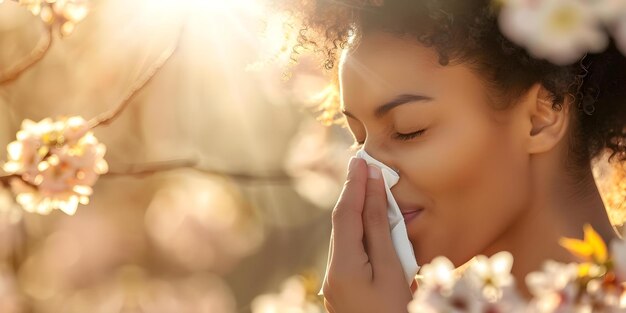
(54,164)
(486,286)
(595,285)
(562,31)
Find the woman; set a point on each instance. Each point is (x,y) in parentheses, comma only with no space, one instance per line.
(493,146)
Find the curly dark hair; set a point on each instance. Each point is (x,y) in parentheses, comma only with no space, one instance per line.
(467,31)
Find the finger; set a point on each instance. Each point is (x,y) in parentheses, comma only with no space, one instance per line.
(330,256)
(346,218)
(329,308)
(376,223)
(330,248)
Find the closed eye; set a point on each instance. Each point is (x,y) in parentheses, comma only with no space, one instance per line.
(409,136)
(357,145)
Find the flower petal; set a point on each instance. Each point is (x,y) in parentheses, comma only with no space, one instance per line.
(577,247)
(596,242)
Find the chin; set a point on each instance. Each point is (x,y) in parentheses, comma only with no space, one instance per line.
(424,256)
(421,256)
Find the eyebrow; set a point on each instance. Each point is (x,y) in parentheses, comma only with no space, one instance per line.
(399,100)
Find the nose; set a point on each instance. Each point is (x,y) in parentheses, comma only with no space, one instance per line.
(383,156)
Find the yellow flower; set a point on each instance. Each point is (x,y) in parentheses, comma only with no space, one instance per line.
(591,249)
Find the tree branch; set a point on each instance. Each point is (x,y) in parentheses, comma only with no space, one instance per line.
(36,55)
(5,181)
(108,117)
(153,168)
(277,178)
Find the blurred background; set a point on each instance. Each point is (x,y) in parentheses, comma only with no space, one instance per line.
(221,180)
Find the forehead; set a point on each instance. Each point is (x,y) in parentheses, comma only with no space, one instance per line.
(383,63)
(383,66)
(379,45)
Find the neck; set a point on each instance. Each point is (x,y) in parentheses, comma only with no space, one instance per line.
(560,207)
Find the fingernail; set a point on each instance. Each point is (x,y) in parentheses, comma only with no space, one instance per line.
(374,172)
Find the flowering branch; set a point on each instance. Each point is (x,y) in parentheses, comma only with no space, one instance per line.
(108,117)
(53,164)
(36,55)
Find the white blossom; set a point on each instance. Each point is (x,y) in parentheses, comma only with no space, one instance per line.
(619,33)
(606,10)
(561,31)
(56,162)
(486,286)
(492,274)
(438,274)
(462,297)
(291,299)
(618,252)
(554,288)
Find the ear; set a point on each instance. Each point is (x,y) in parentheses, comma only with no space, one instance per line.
(547,124)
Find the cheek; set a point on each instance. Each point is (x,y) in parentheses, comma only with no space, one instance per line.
(467,152)
(473,171)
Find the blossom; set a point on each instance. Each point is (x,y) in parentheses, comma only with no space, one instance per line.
(65,13)
(438,274)
(438,289)
(492,274)
(618,259)
(554,288)
(594,285)
(509,301)
(462,297)
(291,299)
(55,163)
(618,252)
(561,31)
(486,286)
(601,295)
(619,33)
(606,11)
(311,162)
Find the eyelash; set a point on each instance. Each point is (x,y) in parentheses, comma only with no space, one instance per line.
(399,136)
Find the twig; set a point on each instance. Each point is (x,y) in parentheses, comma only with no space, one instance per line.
(36,55)
(149,169)
(108,117)
(5,180)
(152,168)
(278,178)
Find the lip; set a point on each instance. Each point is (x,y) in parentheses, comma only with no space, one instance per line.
(409,211)
(410,215)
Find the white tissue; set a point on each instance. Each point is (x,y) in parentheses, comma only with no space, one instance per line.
(399,236)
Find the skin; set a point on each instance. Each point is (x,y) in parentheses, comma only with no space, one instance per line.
(486,180)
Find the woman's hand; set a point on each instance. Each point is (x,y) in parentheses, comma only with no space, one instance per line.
(364,274)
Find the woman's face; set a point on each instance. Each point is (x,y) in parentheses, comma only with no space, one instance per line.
(465,165)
